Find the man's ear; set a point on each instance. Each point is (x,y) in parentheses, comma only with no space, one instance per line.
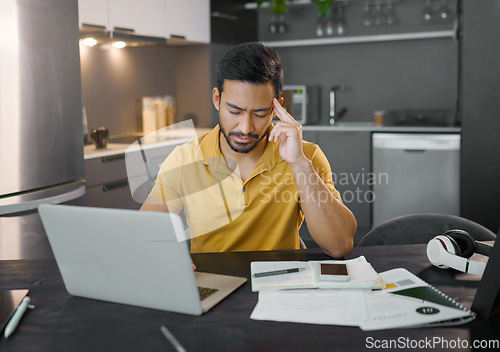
(216,98)
(280,100)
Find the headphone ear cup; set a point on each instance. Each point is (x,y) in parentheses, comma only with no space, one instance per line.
(437,246)
(465,242)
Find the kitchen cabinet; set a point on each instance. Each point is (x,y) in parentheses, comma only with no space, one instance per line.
(93,12)
(107,183)
(114,173)
(188,19)
(349,155)
(145,17)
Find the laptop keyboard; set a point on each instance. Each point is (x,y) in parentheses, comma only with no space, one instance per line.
(205,292)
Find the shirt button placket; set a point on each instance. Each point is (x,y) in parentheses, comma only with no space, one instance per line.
(244,190)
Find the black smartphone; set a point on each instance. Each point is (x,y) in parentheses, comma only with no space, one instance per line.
(333,272)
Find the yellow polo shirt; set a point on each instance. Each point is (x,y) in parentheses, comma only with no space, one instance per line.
(225,213)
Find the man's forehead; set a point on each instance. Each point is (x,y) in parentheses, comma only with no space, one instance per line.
(248,95)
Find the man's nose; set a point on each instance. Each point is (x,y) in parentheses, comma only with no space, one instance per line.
(245,125)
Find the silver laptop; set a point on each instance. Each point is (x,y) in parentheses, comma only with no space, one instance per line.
(130,257)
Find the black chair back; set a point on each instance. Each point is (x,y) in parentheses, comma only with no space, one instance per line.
(421,228)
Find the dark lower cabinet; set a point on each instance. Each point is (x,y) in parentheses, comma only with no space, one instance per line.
(349,155)
(350,159)
(114,194)
(107,183)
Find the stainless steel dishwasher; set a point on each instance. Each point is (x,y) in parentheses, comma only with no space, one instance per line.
(415,173)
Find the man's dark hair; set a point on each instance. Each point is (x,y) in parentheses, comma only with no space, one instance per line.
(253,63)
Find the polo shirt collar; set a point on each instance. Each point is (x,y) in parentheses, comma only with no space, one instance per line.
(212,156)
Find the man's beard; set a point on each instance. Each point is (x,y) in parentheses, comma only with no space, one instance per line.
(243,147)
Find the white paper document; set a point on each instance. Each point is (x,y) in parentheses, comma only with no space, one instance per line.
(406,302)
(312,306)
(361,275)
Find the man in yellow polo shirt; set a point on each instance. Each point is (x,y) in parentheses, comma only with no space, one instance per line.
(249,184)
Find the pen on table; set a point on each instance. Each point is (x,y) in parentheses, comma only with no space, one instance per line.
(14,321)
(171,338)
(278,272)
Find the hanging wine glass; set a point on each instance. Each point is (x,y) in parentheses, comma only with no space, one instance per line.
(379,19)
(282,26)
(273,26)
(324,25)
(427,13)
(391,16)
(367,18)
(445,13)
(319,27)
(329,27)
(341,26)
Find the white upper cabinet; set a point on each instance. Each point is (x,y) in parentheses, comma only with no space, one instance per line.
(145,17)
(189,19)
(93,12)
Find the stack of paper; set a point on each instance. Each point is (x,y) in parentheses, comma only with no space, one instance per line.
(406,302)
(361,275)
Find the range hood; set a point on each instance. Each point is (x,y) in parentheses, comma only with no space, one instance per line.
(126,35)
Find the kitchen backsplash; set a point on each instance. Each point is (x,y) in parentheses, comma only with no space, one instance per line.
(115,80)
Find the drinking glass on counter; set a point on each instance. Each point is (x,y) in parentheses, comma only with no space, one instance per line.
(379,118)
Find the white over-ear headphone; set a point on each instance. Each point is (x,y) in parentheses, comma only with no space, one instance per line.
(453,249)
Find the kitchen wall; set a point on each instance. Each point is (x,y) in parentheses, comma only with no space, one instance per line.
(377,76)
(194,90)
(407,74)
(114,80)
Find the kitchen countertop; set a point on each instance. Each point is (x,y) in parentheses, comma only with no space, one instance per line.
(183,135)
(370,127)
(151,141)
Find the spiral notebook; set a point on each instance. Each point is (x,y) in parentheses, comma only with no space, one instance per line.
(407,301)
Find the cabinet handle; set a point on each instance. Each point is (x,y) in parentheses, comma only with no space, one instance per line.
(115,185)
(415,150)
(124,29)
(107,159)
(177,36)
(93,26)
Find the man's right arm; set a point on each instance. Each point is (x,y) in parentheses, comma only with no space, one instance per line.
(153,204)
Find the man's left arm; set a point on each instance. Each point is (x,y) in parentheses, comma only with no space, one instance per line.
(330,223)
